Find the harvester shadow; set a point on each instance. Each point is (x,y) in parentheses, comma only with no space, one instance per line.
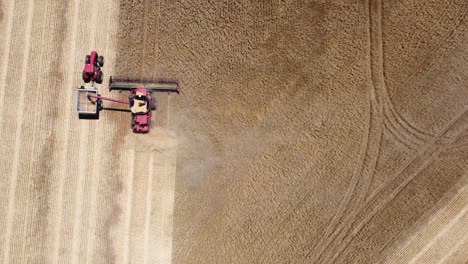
(116,109)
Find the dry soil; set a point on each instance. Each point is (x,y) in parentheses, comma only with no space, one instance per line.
(306,132)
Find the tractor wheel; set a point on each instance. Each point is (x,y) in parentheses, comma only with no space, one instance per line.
(100,61)
(87,59)
(86,78)
(153,104)
(99,77)
(99,104)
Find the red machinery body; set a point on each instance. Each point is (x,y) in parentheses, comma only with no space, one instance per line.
(141,104)
(92,69)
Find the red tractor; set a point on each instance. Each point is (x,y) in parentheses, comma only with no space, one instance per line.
(92,70)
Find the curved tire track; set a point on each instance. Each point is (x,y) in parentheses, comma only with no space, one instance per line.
(403,130)
(363,176)
(376,54)
(385,194)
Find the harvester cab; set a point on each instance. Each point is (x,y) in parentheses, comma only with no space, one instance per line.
(139,104)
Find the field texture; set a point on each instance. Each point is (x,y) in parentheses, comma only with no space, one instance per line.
(306,132)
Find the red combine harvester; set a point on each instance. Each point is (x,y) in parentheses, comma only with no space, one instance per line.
(140,101)
(92,69)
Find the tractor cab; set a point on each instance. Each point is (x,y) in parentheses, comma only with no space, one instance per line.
(92,69)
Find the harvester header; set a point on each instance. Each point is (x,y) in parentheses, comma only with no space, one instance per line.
(153,85)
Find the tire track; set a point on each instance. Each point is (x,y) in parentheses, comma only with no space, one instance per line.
(6,59)
(3,85)
(151,63)
(128,209)
(139,206)
(375,38)
(393,131)
(29,221)
(385,194)
(145,38)
(453,239)
(82,165)
(97,152)
(345,204)
(150,201)
(419,238)
(45,181)
(84,127)
(66,135)
(439,235)
(404,131)
(163,197)
(19,123)
(462,242)
(372,144)
(168,118)
(129,61)
(148,209)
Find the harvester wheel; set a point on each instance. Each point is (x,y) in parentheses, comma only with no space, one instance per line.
(100,61)
(87,59)
(153,104)
(99,77)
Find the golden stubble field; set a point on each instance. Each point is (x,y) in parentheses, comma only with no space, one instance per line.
(306,132)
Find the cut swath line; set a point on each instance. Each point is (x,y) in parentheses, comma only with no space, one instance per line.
(66,122)
(414,243)
(128,207)
(34,136)
(454,249)
(78,208)
(6,58)
(84,131)
(96,167)
(168,110)
(440,234)
(164,222)
(431,229)
(148,206)
(94,186)
(19,123)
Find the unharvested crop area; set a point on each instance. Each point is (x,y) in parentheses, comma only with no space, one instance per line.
(306,132)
